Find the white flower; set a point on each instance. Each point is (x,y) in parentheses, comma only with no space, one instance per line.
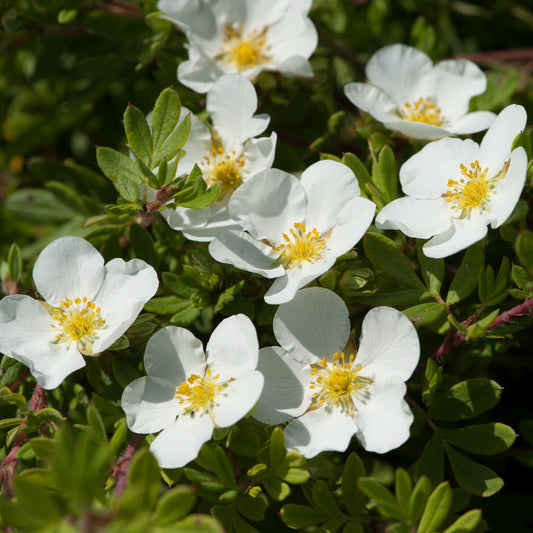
(186,393)
(455,188)
(330,393)
(410,95)
(295,228)
(87,307)
(244,36)
(229,155)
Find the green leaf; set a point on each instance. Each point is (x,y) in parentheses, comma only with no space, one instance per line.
(431,462)
(524,248)
(403,489)
(437,509)
(419,498)
(432,379)
(432,269)
(276,449)
(483,439)
(138,134)
(251,508)
(393,298)
(465,279)
(197,523)
(353,527)
(143,479)
(301,516)
(165,116)
(14,262)
(466,523)
(387,258)
(122,171)
(277,489)
(223,468)
(387,176)
(354,499)
(174,142)
(323,499)
(174,505)
(203,200)
(38,206)
(465,400)
(359,169)
(423,314)
(166,305)
(387,504)
(143,245)
(472,476)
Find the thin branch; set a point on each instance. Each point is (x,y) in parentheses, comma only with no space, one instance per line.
(123,463)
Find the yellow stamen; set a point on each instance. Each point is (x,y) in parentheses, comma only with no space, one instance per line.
(301,246)
(223,168)
(245,51)
(422,110)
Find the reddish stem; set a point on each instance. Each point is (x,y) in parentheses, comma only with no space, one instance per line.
(123,463)
(499,55)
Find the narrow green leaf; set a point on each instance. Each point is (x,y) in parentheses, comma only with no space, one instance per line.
(223,468)
(465,279)
(165,115)
(437,508)
(138,134)
(431,462)
(354,499)
(465,400)
(423,314)
(277,448)
(524,248)
(174,505)
(432,269)
(387,504)
(144,479)
(387,258)
(96,424)
(466,523)
(472,476)
(14,262)
(419,498)
(323,499)
(387,176)
(483,439)
(359,169)
(393,298)
(301,516)
(174,142)
(403,488)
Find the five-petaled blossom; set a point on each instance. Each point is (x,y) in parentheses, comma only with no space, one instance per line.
(187,394)
(294,228)
(88,306)
(408,94)
(243,36)
(228,155)
(455,187)
(329,390)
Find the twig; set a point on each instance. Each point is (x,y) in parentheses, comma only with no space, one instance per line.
(123,463)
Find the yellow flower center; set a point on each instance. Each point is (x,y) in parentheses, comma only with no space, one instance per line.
(77,320)
(197,394)
(338,383)
(301,246)
(222,168)
(473,190)
(423,110)
(245,51)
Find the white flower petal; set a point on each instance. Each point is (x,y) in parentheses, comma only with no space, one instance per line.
(315,324)
(286,393)
(426,174)
(389,345)
(174,353)
(507,192)
(262,13)
(398,70)
(416,130)
(182,217)
(243,251)
(323,429)
(461,235)
(150,404)
(126,287)
(237,399)
(232,349)
(496,144)
(68,267)
(180,443)
(383,421)
(416,218)
(232,102)
(292,37)
(193,15)
(26,335)
(472,122)
(372,100)
(198,144)
(198,72)
(259,154)
(268,204)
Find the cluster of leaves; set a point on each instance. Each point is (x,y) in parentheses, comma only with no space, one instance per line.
(69,69)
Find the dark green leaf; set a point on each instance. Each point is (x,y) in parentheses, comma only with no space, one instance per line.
(423,314)
(465,279)
(173,144)
(14,262)
(431,462)
(165,115)
(301,516)
(122,171)
(432,270)
(387,504)
(138,134)
(524,248)
(354,499)
(387,176)
(359,169)
(484,439)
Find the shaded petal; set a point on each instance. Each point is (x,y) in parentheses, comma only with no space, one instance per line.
(268,204)
(26,335)
(315,324)
(233,348)
(389,344)
(237,399)
(321,430)
(198,72)
(372,100)
(293,37)
(259,154)
(150,404)
(173,354)
(198,144)
(68,267)
(286,393)
(262,13)
(126,287)
(472,122)
(461,235)
(383,421)
(426,174)
(243,251)
(232,102)
(416,218)
(417,130)
(183,217)
(180,443)
(507,191)
(496,145)
(399,70)
(196,16)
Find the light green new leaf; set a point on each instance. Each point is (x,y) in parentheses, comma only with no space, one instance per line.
(165,116)
(387,504)
(387,176)
(138,133)
(419,498)
(466,523)
(437,509)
